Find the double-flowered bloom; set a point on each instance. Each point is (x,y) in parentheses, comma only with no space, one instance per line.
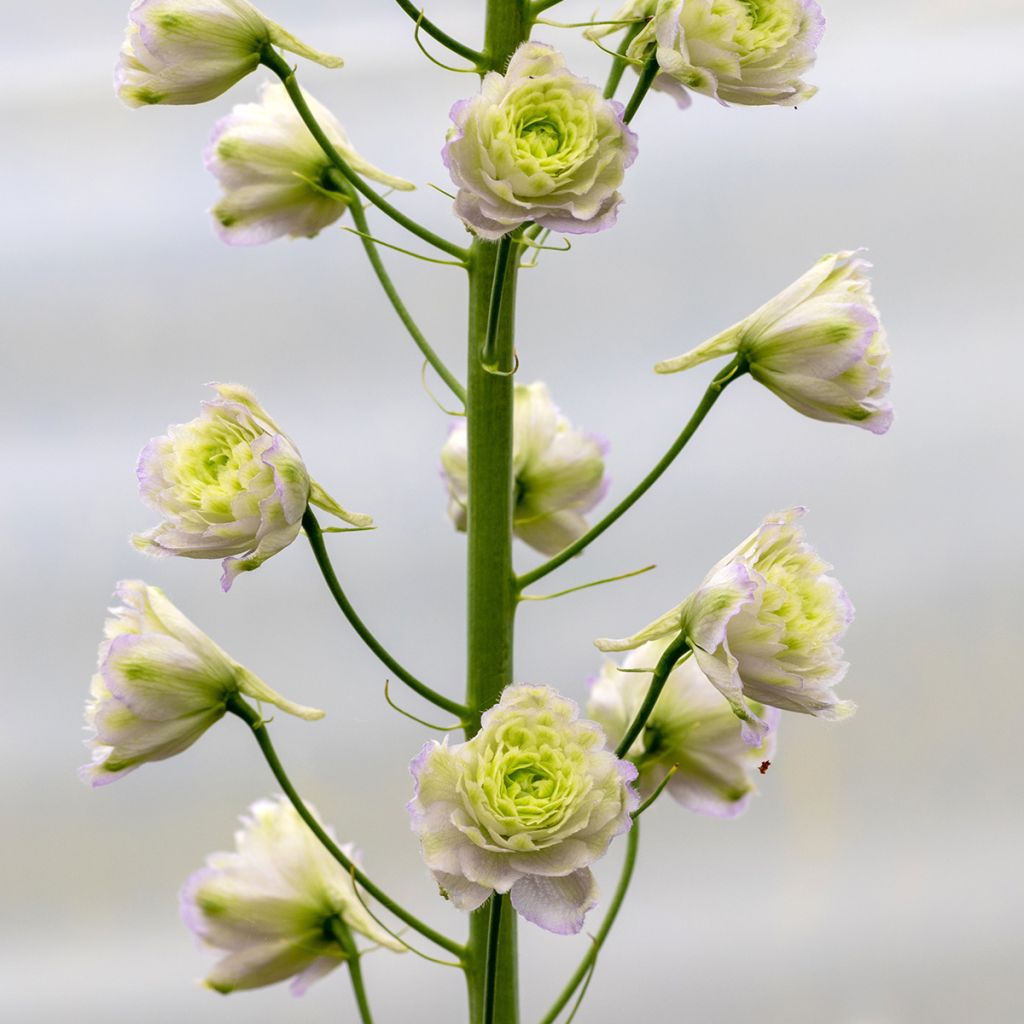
(692,735)
(819,345)
(524,807)
(274,905)
(558,472)
(750,52)
(277,180)
(160,684)
(230,484)
(764,627)
(537,144)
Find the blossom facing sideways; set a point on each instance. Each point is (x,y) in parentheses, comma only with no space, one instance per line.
(524,807)
(230,484)
(270,906)
(160,684)
(819,345)
(764,627)
(558,472)
(692,735)
(277,180)
(537,144)
(191,51)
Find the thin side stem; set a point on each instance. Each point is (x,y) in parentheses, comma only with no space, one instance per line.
(276,63)
(618,68)
(714,391)
(491,965)
(251,717)
(647,75)
(347,942)
(450,42)
(674,653)
(628,865)
(372,254)
(538,7)
(323,560)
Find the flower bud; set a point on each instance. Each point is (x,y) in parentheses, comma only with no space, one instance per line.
(524,807)
(538,143)
(692,733)
(559,472)
(190,51)
(276,178)
(764,626)
(229,484)
(161,683)
(819,345)
(270,905)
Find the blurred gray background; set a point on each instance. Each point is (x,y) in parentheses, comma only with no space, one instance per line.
(877,880)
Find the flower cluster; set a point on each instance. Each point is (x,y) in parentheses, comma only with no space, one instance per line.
(160,684)
(764,626)
(276,905)
(558,472)
(191,51)
(819,345)
(692,736)
(230,484)
(524,807)
(538,143)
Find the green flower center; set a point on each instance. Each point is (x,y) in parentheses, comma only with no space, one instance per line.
(761,26)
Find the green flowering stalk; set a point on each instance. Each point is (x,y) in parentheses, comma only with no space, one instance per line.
(524,807)
(819,345)
(764,626)
(692,737)
(538,144)
(279,907)
(191,51)
(277,180)
(161,683)
(558,472)
(230,484)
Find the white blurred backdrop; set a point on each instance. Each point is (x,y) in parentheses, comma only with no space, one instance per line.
(877,880)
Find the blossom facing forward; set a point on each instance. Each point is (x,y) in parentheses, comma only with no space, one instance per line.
(537,144)
(819,345)
(191,51)
(160,684)
(734,51)
(764,626)
(692,735)
(271,906)
(524,807)
(230,484)
(558,472)
(277,180)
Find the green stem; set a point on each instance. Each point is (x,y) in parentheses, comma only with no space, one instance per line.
(489,356)
(316,542)
(618,68)
(252,718)
(674,653)
(647,75)
(271,59)
(714,391)
(342,933)
(491,965)
(473,56)
(538,7)
(632,842)
(359,219)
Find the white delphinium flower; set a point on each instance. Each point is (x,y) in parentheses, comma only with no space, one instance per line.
(539,144)
(764,626)
(230,484)
(558,472)
(524,807)
(277,180)
(190,51)
(692,735)
(160,684)
(273,906)
(819,345)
